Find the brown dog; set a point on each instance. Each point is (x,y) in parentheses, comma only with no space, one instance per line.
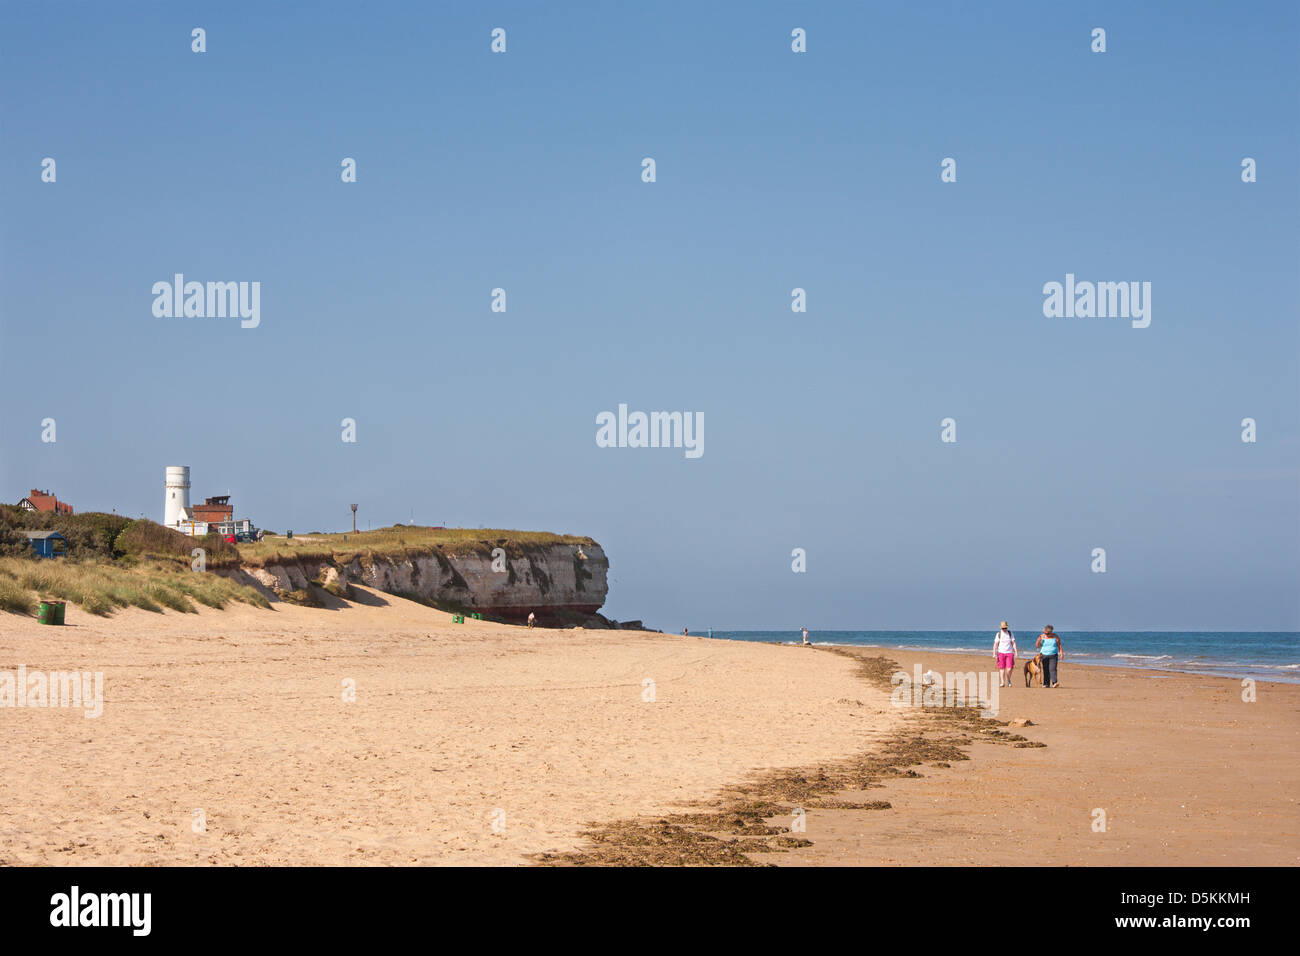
(1034,671)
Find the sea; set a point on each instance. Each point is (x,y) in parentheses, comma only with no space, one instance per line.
(1262,655)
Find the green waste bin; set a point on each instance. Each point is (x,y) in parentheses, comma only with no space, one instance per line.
(50,612)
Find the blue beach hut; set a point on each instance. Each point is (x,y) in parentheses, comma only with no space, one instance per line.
(47,544)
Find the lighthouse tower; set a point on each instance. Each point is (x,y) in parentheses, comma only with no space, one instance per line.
(176,504)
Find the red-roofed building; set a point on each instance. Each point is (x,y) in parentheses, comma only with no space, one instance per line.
(44,501)
(213,510)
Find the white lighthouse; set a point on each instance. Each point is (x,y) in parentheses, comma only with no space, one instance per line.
(176,504)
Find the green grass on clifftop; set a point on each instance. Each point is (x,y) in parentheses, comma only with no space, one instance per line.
(396,542)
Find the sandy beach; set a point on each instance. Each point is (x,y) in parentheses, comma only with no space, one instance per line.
(479,743)
(240,714)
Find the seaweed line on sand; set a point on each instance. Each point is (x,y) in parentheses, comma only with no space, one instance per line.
(726,830)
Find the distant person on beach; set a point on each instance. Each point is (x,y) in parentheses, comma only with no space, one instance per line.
(685,633)
(1050,646)
(710,632)
(532,619)
(1004,652)
(805,636)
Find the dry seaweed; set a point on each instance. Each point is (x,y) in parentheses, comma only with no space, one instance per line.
(740,822)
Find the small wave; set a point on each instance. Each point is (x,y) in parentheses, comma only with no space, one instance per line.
(942,650)
(1220,663)
(1146,657)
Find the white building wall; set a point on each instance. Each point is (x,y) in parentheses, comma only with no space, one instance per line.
(176,500)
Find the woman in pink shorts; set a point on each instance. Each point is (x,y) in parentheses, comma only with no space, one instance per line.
(1004,652)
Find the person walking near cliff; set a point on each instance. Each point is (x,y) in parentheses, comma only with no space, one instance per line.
(532,619)
(1004,653)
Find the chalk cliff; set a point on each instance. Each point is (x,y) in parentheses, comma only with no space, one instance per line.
(561,583)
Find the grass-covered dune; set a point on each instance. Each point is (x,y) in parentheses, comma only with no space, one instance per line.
(97,535)
(100,587)
(113,561)
(396,542)
(145,539)
(91,534)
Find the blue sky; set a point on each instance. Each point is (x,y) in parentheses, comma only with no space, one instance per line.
(775,170)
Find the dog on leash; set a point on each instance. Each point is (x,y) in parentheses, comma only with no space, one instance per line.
(1034,671)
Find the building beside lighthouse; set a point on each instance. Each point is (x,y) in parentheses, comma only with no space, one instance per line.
(216,514)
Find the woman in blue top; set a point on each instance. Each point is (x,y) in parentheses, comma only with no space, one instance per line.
(1050,646)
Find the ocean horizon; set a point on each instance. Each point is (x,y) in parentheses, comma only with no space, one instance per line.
(1263,655)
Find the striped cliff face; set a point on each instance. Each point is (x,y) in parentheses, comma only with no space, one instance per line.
(560,583)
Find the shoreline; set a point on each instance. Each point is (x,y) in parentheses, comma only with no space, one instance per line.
(1146,670)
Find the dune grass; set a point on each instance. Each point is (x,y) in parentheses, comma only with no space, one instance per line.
(101,587)
(394,542)
(14,598)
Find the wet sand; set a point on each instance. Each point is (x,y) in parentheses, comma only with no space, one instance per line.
(1186,772)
